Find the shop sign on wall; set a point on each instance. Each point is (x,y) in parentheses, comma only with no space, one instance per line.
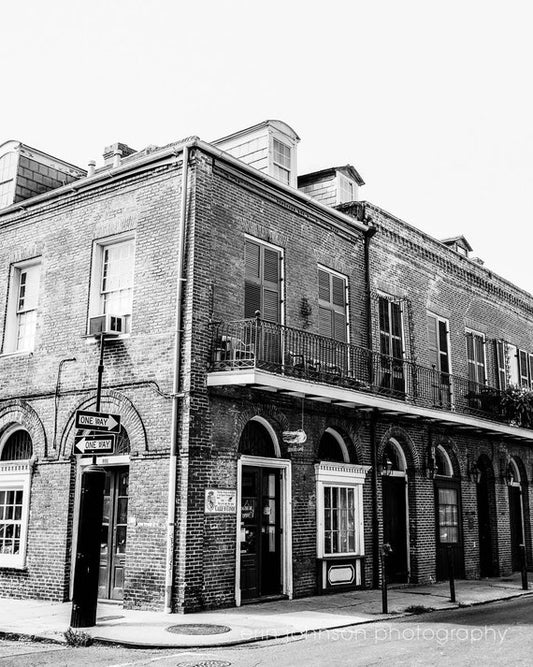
(220,501)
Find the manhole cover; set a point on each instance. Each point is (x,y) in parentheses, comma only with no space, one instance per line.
(205,663)
(199,629)
(109,618)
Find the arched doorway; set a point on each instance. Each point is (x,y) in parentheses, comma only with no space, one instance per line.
(395,517)
(449,534)
(263,568)
(516,513)
(486,511)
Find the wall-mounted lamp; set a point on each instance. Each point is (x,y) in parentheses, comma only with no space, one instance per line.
(386,466)
(474,473)
(509,476)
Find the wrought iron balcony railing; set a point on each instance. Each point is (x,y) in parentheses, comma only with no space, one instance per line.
(254,343)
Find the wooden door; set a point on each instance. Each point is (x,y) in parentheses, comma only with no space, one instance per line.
(395,527)
(517,533)
(486,566)
(260,533)
(449,536)
(114,535)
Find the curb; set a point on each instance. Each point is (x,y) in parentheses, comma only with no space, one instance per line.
(98,640)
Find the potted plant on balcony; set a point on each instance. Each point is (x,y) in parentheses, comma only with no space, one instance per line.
(517,406)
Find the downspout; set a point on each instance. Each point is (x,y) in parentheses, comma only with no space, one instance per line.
(174,436)
(373,416)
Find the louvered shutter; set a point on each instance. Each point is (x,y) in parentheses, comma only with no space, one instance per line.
(332,306)
(433,346)
(500,361)
(262,282)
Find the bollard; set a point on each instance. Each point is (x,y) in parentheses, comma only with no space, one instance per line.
(384,600)
(523,558)
(451,574)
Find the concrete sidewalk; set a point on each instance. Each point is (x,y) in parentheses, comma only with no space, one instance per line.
(254,622)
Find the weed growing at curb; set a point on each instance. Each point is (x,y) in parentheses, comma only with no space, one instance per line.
(77,638)
(418,609)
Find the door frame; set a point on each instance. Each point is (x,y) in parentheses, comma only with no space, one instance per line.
(285,492)
(400,474)
(112,461)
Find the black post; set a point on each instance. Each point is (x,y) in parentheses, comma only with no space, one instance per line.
(451,574)
(100,373)
(384,599)
(87,566)
(525,585)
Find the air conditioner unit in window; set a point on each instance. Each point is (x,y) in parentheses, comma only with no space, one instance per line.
(110,325)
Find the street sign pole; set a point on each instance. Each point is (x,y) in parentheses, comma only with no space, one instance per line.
(87,564)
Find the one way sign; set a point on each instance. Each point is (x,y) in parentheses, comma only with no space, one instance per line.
(94,444)
(97,421)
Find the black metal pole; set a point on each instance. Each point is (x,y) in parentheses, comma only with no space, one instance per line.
(100,373)
(384,599)
(451,574)
(87,563)
(87,566)
(525,585)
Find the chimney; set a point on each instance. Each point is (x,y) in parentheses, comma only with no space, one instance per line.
(114,153)
(92,167)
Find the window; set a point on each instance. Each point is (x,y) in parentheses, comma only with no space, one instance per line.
(7,178)
(262,282)
(281,161)
(391,345)
(347,189)
(475,354)
(15,472)
(439,358)
(448,503)
(332,305)
(501,353)
(340,508)
(112,279)
(21,320)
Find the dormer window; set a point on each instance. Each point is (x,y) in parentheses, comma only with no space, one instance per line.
(281,159)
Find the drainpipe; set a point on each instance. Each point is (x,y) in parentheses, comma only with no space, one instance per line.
(374,414)
(56,401)
(174,435)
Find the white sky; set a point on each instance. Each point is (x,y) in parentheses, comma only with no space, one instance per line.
(430,101)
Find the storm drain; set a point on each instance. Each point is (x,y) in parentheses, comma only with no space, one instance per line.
(199,629)
(109,618)
(205,663)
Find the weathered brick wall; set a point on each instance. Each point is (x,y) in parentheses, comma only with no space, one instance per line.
(137,377)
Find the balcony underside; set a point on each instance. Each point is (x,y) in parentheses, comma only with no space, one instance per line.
(360,400)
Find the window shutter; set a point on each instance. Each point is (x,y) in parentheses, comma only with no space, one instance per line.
(262,282)
(432,341)
(323,286)
(338,291)
(325,325)
(332,306)
(500,361)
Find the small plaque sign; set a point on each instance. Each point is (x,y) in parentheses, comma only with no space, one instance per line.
(220,501)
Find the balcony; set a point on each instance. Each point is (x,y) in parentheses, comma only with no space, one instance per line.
(272,357)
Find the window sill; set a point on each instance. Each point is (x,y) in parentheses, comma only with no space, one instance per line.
(95,340)
(21,567)
(340,556)
(7,355)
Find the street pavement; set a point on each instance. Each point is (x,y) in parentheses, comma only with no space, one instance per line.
(250,623)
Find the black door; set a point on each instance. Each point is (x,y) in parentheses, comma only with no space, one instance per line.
(113,536)
(448,529)
(395,527)
(515,517)
(260,533)
(486,567)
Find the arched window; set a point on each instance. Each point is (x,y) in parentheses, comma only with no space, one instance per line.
(257,439)
(17,446)
(332,447)
(122,442)
(393,459)
(443,462)
(15,472)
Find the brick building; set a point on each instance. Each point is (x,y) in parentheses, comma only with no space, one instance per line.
(301,377)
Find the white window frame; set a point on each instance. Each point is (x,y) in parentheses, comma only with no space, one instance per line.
(474,333)
(16,476)
(277,165)
(345,184)
(96,298)
(15,312)
(345,476)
